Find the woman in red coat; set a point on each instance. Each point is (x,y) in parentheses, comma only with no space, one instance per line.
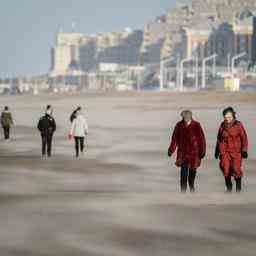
(231,147)
(188,137)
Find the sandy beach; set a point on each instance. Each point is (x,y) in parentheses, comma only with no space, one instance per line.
(121,198)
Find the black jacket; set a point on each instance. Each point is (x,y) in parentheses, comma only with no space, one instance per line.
(46,124)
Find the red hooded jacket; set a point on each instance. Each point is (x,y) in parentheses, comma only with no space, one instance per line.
(190,143)
(232,139)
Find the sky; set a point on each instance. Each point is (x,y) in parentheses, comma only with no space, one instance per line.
(28,27)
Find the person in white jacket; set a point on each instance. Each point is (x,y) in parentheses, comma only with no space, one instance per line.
(79,129)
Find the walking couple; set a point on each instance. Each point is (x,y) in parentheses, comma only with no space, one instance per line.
(78,130)
(231,147)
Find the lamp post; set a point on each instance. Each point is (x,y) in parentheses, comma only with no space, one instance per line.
(182,73)
(229,62)
(162,72)
(236,57)
(197,73)
(205,60)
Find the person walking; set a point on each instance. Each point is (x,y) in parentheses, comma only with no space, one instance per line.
(79,129)
(189,140)
(231,148)
(6,122)
(47,127)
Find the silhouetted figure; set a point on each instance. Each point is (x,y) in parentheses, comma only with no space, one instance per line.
(6,122)
(47,127)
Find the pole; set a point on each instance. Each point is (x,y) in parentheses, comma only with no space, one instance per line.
(203,75)
(229,62)
(197,74)
(214,67)
(181,72)
(205,60)
(178,73)
(162,74)
(138,82)
(236,57)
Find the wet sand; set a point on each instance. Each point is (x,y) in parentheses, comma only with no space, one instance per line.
(122,197)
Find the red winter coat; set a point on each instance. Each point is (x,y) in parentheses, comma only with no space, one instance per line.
(190,141)
(231,141)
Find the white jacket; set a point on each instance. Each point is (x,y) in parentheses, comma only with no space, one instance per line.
(79,127)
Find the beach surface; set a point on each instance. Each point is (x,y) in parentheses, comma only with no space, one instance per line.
(121,198)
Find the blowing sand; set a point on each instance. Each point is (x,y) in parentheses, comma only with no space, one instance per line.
(122,197)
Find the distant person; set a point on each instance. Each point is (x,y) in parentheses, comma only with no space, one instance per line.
(188,137)
(79,129)
(74,114)
(231,148)
(47,127)
(6,122)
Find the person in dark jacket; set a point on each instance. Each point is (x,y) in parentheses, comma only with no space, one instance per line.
(47,127)
(74,114)
(188,137)
(6,122)
(231,148)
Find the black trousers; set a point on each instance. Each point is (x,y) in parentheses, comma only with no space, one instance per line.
(229,184)
(187,176)
(6,132)
(79,144)
(46,144)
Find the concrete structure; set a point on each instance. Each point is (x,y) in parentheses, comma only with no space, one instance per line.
(153,41)
(195,41)
(224,39)
(243,32)
(254,42)
(88,51)
(66,50)
(196,29)
(120,48)
(203,13)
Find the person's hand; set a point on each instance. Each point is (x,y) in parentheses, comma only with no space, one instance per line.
(217,153)
(244,154)
(70,136)
(169,152)
(202,156)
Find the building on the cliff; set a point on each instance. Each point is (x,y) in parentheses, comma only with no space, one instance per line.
(224,39)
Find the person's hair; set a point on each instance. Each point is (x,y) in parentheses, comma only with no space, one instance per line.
(185,113)
(6,108)
(78,108)
(48,107)
(229,110)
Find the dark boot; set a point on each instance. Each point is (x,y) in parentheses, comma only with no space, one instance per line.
(191,180)
(229,184)
(238,184)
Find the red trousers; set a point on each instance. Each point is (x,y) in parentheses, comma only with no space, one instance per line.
(231,164)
